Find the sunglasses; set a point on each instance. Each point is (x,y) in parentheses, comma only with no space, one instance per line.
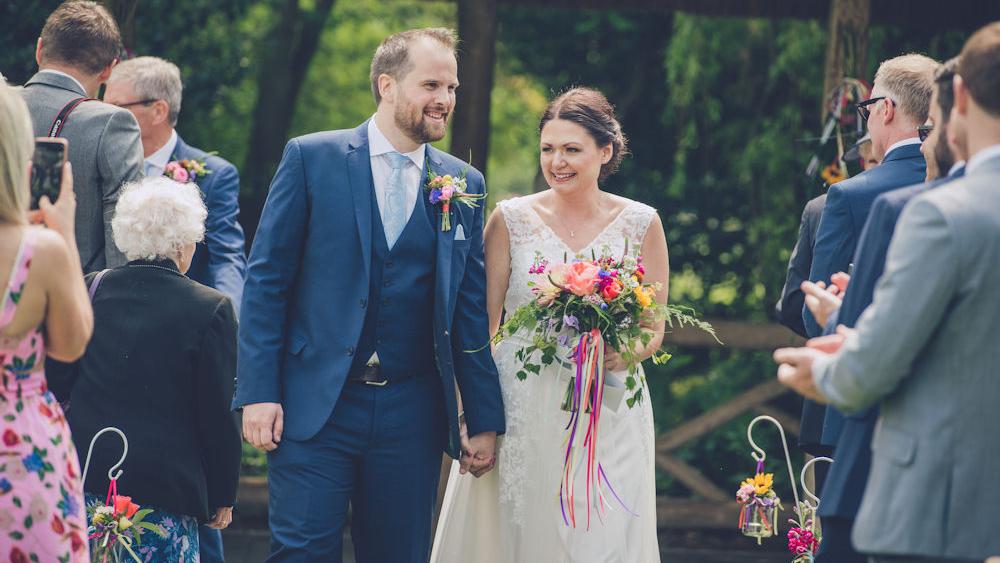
(144,102)
(924,131)
(863,110)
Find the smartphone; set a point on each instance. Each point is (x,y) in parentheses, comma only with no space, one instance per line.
(46,168)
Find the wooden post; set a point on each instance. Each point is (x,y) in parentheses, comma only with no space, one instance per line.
(477,29)
(847,47)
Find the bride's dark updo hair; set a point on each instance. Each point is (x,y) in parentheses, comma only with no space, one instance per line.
(589,109)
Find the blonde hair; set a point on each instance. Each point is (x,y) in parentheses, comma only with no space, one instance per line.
(156,217)
(909,81)
(16,145)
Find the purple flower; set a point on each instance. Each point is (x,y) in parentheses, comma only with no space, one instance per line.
(571,321)
(563,340)
(435,196)
(33,462)
(5,486)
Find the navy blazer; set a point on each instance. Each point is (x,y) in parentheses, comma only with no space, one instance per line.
(220,260)
(789,306)
(844,216)
(845,483)
(307,288)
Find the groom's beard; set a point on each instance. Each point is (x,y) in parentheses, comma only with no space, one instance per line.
(412,122)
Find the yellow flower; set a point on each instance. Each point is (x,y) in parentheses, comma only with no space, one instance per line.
(642,296)
(446,179)
(761,483)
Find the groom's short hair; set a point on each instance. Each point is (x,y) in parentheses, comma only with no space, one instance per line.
(393,56)
(979,67)
(82,34)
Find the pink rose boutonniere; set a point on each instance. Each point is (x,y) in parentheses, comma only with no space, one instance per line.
(442,190)
(186,170)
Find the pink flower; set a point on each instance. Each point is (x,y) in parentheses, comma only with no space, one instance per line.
(180,175)
(447,192)
(580,277)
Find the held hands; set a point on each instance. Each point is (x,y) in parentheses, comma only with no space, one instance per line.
(61,215)
(223,517)
(262,425)
(822,300)
(478,452)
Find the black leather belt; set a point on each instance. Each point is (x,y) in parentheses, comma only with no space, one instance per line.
(370,375)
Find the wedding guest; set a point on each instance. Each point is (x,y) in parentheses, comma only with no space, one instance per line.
(926,350)
(847,477)
(161,367)
(898,104)
(76,51)
(861,151)
(151,89)
(789,306)
(43,311)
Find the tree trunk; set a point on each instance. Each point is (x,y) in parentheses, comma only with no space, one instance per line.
(284,59)
(847,47)
(470,132)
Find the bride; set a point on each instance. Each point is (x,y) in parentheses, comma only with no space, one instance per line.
(513,514)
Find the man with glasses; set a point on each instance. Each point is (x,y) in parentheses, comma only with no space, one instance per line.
(79,45)
(898,105)
(150,88)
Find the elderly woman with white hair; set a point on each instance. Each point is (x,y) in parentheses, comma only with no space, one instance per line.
(160,367)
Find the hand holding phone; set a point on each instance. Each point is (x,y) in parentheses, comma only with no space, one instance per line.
(46,169)
(56,210)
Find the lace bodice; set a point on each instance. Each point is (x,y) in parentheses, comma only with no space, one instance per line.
(529,234)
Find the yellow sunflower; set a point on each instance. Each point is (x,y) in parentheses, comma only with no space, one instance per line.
(761,483)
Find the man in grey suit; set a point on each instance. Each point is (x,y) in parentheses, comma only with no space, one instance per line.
(76,51)
(926,349)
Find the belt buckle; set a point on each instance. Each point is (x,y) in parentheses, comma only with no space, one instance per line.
(382,383)
(372,371)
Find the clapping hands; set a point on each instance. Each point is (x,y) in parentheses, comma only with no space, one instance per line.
(823,300)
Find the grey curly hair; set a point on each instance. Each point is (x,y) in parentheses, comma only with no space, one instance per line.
(156,217)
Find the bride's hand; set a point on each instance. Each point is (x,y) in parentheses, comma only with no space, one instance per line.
(613,361)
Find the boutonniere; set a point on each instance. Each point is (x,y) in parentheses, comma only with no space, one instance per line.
(186,170)
(442,190)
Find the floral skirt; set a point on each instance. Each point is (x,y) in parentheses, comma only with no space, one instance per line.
(177,544)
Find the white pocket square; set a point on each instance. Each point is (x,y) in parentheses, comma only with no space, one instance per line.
(459,233)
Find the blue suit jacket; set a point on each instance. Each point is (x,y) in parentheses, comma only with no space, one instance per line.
(844,215)
(220,260)
(845,483)
(307,287)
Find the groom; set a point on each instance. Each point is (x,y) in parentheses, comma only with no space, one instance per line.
(357,316)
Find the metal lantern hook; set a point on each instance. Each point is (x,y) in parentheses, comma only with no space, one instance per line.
(759,455)
(112,476)
(802,479)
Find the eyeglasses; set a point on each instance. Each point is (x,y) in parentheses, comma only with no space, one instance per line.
(863,110)
(144,102)
(924,131)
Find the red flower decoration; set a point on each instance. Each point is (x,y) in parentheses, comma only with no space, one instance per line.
(18,556)
(57,525)
(76,542)
(45,410)
(10,438)
(124,505)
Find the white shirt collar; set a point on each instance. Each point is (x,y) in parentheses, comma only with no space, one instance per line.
(903,143)
(955,167)
(378,144)
(989,153)
(61,73)
(161,157)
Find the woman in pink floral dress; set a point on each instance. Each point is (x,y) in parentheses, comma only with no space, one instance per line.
(44,310)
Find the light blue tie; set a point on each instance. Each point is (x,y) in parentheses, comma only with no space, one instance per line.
(395,198)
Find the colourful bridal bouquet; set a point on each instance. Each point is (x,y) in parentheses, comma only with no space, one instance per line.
(441,190)
(759,514)
(116,527)
(580,308)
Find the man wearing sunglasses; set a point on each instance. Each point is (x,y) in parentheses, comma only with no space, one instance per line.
(899,104)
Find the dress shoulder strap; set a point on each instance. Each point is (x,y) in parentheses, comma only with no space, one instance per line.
(520,220)
(635,221)
(18,277)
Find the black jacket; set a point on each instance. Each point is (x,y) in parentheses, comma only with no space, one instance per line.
(789,307)
(160,367)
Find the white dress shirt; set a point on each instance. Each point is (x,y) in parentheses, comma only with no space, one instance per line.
(982,156)
(156,162)
(378,146)
(903,143)
(61,73)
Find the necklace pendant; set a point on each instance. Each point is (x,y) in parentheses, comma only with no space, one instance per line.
(572,234)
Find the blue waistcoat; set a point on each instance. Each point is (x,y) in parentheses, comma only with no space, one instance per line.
(399,314)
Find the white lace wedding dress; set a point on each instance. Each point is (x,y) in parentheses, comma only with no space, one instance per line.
(512,514)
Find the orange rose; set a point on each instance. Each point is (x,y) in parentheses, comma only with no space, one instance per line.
(580,278)
(124,505)
(611,290)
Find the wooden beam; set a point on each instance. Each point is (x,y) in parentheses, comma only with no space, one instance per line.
(789,422)
(847,43)
(706,422)
(688,513)
(691,477)
(477,29)
(740,335)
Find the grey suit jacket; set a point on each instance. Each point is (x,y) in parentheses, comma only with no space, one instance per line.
(105,150)
(927,348)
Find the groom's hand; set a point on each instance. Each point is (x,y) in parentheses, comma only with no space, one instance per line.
(478,454)
(262,425)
